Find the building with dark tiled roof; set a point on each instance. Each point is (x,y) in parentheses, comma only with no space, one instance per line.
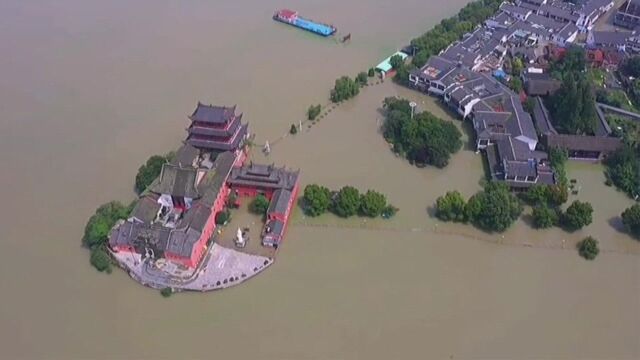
(584,147)
(609,39)
(216,128)
(540,84)
(628,14)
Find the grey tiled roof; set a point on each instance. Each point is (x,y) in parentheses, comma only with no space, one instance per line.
(604,144)
(265,176)
(611,38)
(542,117)
(176,181)
(146,208)
(213,114)
(279,201)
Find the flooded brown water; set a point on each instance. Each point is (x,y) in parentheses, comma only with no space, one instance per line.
(89,91)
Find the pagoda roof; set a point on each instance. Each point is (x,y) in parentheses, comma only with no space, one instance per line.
(233,127)
(213,114)
(213,144)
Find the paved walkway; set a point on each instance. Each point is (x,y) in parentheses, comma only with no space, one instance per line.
(221,268)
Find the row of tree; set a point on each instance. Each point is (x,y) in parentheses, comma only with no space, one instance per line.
(422,137)
(347,202)
(494,208)
(577,215)
(452,29)
(623,170)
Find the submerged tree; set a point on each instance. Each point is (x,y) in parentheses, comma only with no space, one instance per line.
(451,207)
(495,208)
(578,215)
(344,89)
(544,217)
(316,200)
(422,138)
(347,202)
(372,203)
(149,172)
(631,220)
(588,248)
(259,205)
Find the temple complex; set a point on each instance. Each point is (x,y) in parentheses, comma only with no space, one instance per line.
(173,224)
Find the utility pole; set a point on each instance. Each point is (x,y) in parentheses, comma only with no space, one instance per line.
(413,107)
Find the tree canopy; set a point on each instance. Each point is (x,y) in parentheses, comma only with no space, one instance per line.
(622,169)
(544,217)
(344,89)
(313,112)
(149,172)
(588,248)
(423,139)
(316,200)
(396,62)
(631,66)
(451,207)
(100,260)
(347,202)
(577,215)
(97,229)
(631,220)
(495,208)
(362,78)
(573,106)
(259,205)
(372,203)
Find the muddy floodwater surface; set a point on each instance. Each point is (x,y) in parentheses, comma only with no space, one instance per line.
(89,90)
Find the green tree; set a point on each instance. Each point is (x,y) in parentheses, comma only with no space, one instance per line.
(223,216)
(515,84)
(316,200)
(347,202)
(557,194)
(166,292)
(396,62)
(573,106)
(544,217)
(389,211)
(451,207)
(622,168)
(588,248)
(313,112)
(631,67)
(493,209)
(371,72)
(100,260)
(259,205)
(362,78)
(423,138)
(631,220)
(578,215)
(372,203)
(96,231)
(537,195)
(344,89)
(149,172)
(516,67)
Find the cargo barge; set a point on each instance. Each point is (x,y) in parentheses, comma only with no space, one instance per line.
(292,18)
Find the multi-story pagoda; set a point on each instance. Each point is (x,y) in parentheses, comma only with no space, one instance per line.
(216,128)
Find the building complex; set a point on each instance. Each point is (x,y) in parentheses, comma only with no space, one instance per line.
(175,218)
(468,76)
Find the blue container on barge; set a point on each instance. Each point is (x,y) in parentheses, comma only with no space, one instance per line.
(292,18)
